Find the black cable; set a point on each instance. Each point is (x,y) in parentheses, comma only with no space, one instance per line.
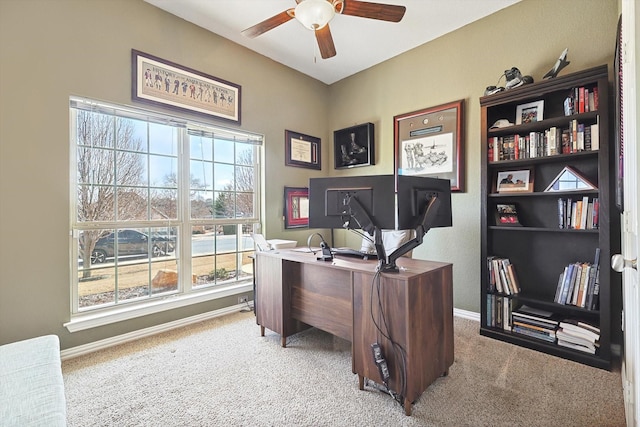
(399,351)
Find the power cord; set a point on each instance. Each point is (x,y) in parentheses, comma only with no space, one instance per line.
(248,309)
(399,351)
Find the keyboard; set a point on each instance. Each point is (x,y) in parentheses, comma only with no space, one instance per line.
(348,252)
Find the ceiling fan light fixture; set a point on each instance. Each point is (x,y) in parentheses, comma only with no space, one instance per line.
(314,14)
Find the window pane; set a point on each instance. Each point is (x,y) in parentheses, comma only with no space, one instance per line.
(202,204)
(131,134)
(215,258)
(95,166)
(201,175)
(131,168)
(244,154)
(163,139)
(94,129)
(225,205)
(224,150)
(95,203)
(224,176)
(201,147)
(244,204)
(133,204)
(164,203)
(163,171)
(244,178)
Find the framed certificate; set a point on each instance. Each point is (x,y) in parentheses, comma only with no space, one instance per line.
(301,150)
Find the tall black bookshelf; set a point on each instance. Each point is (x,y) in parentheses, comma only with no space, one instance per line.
(538,247)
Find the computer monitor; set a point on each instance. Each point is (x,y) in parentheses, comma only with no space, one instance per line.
(352,202)
(369,203)
(414,195)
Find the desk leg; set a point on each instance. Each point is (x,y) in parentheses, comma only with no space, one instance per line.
(283,342)
(361,382)
(261,330)
(407,407)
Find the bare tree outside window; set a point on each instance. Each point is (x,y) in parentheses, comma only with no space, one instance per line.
(140,230)
(110,174)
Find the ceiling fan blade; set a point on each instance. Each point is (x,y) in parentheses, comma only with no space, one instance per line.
(383,12)
(325,42)
(269,24)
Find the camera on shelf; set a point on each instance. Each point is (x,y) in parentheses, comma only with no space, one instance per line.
(514,79)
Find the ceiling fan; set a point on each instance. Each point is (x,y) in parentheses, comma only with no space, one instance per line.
(316,14)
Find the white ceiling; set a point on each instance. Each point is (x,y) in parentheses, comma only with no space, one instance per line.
(360,42)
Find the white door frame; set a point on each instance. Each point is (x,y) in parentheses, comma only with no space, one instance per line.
(629,220)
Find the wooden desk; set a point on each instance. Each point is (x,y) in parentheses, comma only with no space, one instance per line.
(295,291)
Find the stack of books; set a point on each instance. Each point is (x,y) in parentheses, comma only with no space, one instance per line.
(502,276)
(578,335)
(534,323)
(579,284)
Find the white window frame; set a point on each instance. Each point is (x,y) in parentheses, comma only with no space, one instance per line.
(186,294)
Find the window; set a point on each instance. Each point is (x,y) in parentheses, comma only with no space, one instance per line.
(161,206)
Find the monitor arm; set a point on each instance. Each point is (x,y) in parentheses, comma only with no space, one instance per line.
(365,222)
(387,263)
(428,217)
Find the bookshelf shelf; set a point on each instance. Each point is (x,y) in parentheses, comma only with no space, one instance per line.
(542,230)
(545,243)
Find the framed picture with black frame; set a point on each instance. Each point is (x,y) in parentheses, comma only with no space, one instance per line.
(164,83)
(354,146)
(301,150)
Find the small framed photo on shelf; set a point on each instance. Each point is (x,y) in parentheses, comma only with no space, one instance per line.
(354,146)
(301,150)
(514,181)
(507,215)
(530,112)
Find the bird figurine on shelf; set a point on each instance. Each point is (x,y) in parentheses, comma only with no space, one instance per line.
(559,65)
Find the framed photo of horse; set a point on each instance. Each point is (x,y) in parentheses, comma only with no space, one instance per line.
(428,142)
(166,84)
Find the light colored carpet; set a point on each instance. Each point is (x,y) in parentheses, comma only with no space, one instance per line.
(222,373)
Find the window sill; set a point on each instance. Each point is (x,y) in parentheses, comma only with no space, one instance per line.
(94,319)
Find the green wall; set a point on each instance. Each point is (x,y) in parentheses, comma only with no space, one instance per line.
(529,35)
(50,50)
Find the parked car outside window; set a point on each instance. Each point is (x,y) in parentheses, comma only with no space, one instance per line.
(131,242)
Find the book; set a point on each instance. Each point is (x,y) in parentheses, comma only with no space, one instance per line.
(566,141)
(596,211)
(517,317)
(513,278)
(561,213)
(566,286)
(589,304)
(496,275)
(595,137)
(572,327)
(534,334)
(586,349)
(556,298)
(583,212)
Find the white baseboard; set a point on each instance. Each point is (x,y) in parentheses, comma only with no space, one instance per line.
(146,332)
(471,315)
